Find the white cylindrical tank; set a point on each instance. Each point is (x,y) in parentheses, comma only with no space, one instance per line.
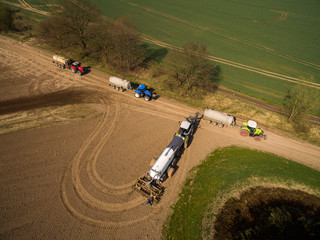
(118,82)
(164,161)
(162,164)
(219,117)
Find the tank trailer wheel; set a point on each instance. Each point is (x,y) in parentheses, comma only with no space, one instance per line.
(137,95)
(171,172)
(244,132)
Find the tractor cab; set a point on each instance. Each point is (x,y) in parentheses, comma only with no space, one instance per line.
(251,129)
(140,91)
(185,128)
(252,125)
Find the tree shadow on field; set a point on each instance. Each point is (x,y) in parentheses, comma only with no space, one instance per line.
(59,98)
(216,78)
(155,55)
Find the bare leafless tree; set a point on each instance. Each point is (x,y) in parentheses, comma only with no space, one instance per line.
(75,16)
(126,41)
(299,101)
(192,69)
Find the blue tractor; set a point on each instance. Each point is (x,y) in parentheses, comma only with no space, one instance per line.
(142,91)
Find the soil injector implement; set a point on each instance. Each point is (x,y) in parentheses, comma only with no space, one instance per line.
(164,166)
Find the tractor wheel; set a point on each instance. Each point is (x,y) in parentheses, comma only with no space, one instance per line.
(147,98)
(186,142)
(171,172)
(79,73)
(257,138)
(73,70)
(244,132)
(174,162)
(137,95)
(152,162)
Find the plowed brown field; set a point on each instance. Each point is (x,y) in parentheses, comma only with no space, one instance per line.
(73,180)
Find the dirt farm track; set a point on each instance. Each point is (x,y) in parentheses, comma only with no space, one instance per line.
(73,180)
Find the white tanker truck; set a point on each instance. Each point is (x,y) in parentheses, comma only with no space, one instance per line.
(219,119)
(120,84)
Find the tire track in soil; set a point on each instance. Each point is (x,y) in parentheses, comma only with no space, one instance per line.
(73,168)
(81,192)
(92,173)
(41,85)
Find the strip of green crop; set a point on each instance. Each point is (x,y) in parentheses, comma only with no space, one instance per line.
(221,171)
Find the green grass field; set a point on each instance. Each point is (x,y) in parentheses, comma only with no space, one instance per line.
(228,170)
(280,37)
(254,41)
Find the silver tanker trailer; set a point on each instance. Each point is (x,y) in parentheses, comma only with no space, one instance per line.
(218,118)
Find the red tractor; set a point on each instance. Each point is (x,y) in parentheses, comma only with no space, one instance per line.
(76,68)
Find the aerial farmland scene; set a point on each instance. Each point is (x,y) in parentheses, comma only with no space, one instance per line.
(147,119)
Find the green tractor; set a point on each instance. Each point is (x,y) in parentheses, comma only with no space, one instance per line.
(250,129)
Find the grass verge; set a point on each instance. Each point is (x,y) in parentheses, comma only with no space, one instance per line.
(224,174)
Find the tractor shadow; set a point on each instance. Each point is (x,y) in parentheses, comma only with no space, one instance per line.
(196,126)
(177,159)
(87,70)
(134,85)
